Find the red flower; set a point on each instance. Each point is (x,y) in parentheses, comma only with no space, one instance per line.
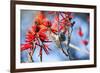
(66,17)
(80,33)
(29,37)
(42,36)
(65,22)
(34,34)
(85,42)
(47,23)
(40,18)
(39,33)
(25,46)
(50,27)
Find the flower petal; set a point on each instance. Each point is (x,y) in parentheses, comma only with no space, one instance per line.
(85,42)
(25,46)
(80,33)
(42,36)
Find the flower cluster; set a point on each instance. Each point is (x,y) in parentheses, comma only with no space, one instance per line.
(37,34)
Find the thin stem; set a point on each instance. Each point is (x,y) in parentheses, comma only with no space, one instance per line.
(62,16)
(40,49)
(31,53)
(63,50)
(59,37)
(69,36)
(41,55)
(30,56)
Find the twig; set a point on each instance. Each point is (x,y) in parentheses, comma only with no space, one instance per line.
(31,59)
(59,38)
(69,35)
(41,54)
(31,53)
(40,49)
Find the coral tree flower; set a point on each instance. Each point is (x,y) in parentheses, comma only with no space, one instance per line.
(40,18)
(25,46)
(38,33)
(80,32)
(66,17)
(85,42)
(34,33)
(29,37)
(50,27)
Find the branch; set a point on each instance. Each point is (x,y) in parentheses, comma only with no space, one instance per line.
(55,38)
